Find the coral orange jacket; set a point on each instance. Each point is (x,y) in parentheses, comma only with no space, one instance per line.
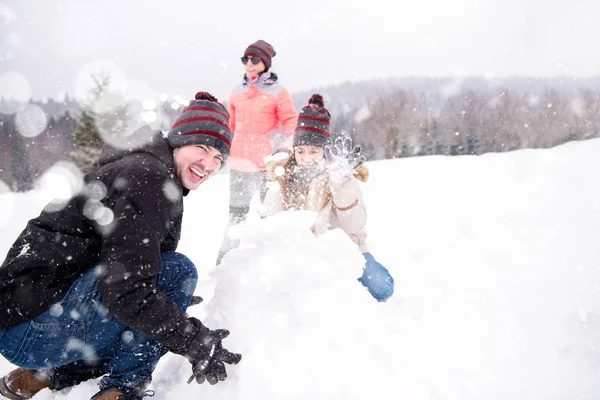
(258,111)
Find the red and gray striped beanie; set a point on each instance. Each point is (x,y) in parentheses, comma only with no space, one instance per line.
(262,50)
(203,121)
(313,124)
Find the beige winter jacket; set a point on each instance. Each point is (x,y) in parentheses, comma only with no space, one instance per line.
(337,205)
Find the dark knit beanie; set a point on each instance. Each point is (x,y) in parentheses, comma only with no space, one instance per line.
(262,50)
(313,124)
(203,121)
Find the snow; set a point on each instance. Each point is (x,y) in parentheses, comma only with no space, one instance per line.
(496,264)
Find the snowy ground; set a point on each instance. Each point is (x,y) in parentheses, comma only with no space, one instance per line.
(497,268)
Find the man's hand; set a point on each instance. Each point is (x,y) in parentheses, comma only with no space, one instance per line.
(208,356)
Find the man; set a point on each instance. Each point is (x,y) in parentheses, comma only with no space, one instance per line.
(96,288)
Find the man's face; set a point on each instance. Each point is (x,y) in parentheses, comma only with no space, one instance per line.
(196,163)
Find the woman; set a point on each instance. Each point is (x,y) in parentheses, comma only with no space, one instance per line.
(259,107)
(310,179)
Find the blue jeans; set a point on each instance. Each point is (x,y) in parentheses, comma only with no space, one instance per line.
(78,339)
(377,279)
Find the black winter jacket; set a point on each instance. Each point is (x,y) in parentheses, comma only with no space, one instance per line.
(141,190)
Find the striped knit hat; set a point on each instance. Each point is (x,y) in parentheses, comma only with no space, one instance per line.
(204,121)
(262,50)
(313,124)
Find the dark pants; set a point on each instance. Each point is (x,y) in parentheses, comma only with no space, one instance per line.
(78,339)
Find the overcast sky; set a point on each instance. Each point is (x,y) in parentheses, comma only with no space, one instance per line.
(180,47)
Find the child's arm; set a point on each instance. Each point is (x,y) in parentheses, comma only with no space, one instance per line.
(350,210)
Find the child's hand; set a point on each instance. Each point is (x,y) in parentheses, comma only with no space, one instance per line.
(342,159)
(278,155)
(339,172)
(342,149)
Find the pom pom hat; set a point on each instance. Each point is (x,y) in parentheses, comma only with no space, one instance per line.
(203,121)
(313,124)
(262,50)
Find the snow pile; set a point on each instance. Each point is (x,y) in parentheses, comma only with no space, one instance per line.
(297,312)
(497,271)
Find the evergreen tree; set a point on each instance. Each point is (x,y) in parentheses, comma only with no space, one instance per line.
(96,128)
(87,143)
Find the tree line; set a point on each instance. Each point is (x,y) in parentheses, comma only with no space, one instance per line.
(472,120)
(390,119)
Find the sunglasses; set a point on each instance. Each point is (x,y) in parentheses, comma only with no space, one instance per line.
(255,60)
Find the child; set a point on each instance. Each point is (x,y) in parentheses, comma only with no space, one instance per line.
(324,178)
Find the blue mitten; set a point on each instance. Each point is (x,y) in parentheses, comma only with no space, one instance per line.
(377,279)
(369,257)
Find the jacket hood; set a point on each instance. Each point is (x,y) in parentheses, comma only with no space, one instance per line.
(153,143)
(265,78)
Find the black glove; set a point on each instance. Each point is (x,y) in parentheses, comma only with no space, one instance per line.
(207,355)
(341,152)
